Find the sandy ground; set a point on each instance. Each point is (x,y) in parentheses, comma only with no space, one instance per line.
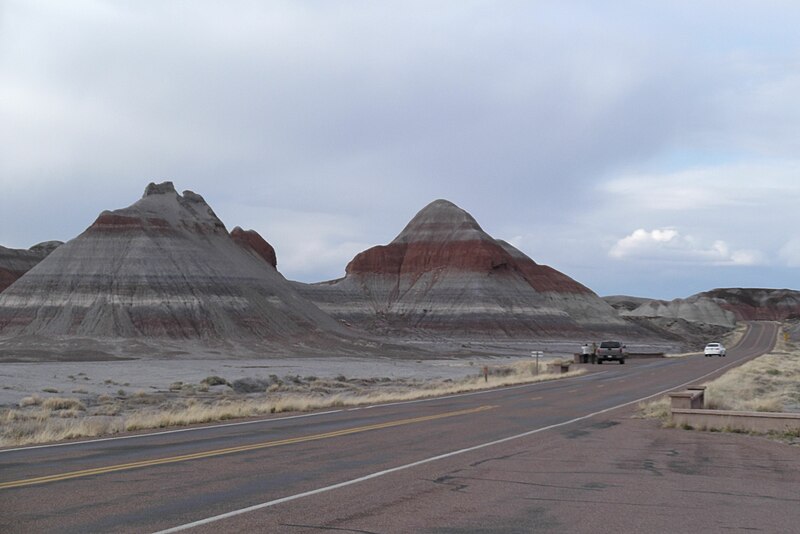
(85,368)
(80,379)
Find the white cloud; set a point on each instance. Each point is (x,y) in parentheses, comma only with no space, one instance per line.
(669,245)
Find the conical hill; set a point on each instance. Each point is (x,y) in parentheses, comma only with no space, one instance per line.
(444,275)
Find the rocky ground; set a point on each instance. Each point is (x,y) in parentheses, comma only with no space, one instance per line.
(86,379)
(52,401)
(93,367)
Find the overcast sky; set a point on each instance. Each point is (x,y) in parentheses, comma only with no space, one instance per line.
(642,148)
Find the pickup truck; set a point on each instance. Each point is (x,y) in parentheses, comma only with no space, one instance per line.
(610,350)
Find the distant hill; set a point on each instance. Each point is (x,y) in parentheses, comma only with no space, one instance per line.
(625,302)
(721,307)
(754,304)
(16,262)
(444,276)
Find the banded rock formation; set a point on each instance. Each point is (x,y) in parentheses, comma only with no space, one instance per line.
(444,275)
(694,309)
(16,262)
(165,267)
(756,304)
(251,241)
(725,306)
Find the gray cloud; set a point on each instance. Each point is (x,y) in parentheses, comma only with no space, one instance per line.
(297,118)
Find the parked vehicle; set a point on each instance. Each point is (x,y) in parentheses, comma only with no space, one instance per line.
(611,351)
(715,349)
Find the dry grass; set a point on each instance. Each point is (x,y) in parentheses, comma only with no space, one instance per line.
(41,420)
(61,403)
(770,383)
(338,392)
(657,409)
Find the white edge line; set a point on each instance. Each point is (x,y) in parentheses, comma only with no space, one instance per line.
(332,487)
(256,421)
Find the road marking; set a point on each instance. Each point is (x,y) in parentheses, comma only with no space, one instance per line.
(175,431)
(601,385)
(346,483)
(537,398)
(232,450)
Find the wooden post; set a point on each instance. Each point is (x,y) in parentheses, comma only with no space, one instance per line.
(536,354)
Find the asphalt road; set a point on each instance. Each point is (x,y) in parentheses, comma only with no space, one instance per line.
(561,456)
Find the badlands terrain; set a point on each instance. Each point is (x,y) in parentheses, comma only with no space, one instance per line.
(164,277)
(159,300)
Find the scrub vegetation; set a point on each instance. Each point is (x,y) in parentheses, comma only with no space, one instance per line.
(769,383)
(47,419)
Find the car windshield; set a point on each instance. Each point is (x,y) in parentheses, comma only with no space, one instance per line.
(609,345)
(712,345)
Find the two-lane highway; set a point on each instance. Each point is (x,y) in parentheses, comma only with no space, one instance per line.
(222,475)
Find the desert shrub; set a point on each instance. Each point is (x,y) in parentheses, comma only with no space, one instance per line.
(50,390)
(67,414)
(656,409)
(501,371)
(715,403)
(251,385)
(33,400)
(106,410)
(62,403)
(214,381)
(772,404)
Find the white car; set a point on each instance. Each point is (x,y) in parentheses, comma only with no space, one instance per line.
(715,349)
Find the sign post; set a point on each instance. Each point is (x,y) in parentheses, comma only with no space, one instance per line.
(536,354)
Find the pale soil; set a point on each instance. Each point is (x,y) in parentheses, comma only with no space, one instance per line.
(54,400)
(85,379)
(64,401)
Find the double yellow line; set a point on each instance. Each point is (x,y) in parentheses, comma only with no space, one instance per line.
(233,450)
